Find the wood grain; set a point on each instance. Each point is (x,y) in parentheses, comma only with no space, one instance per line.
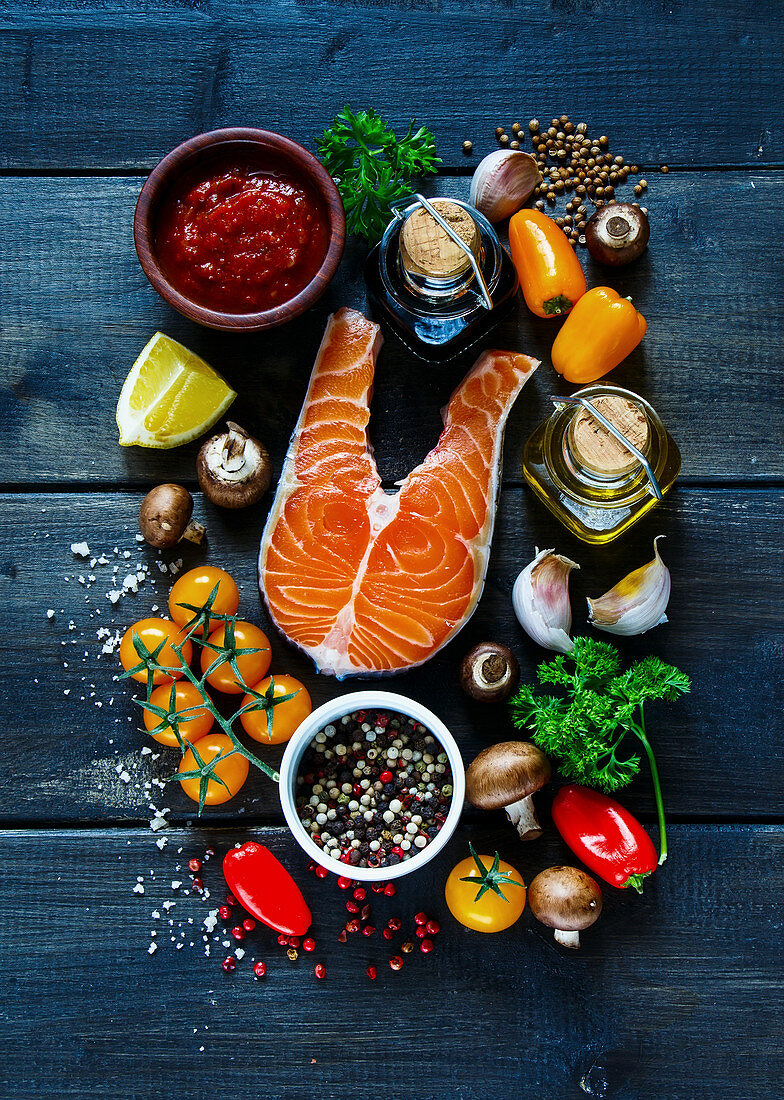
(719,749)
(119,86)
(77,311)
(670,994)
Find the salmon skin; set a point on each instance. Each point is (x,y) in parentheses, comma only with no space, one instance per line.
(364,581)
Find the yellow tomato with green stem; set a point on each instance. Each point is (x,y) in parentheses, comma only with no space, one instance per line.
(288,705)
(153,633)
(216,785)
(249,649)
(182,704)
(485,893)
(195,587)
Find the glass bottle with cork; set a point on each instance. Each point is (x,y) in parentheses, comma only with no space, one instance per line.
(601,461)
(440,276)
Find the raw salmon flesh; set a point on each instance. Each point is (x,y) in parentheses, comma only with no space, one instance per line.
(362,580)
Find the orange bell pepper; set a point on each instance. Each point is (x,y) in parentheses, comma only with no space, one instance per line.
(550,274)
(598,334)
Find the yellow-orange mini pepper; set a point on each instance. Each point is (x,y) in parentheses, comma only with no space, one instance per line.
(550,274)
(598,334)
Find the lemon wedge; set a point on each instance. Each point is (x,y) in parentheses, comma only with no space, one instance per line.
(170,396)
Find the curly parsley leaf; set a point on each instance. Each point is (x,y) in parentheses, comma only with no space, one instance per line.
(372,167)
(584,729)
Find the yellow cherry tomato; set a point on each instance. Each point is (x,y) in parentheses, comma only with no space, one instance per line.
(286,716)
(191,726)
(194,588)
(488,913)
(152,632)
(233,770)
(252,666)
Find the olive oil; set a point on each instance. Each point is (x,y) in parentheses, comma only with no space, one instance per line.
(586,477)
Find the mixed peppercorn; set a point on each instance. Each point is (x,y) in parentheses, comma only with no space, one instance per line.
(374,788)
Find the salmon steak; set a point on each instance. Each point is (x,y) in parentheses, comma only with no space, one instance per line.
(370,582)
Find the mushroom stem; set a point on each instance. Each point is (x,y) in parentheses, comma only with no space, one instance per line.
(523,816)
(194,532)
(567,939)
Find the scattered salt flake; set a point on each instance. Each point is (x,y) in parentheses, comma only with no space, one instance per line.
(152,948)
(145,750)
(113,596)
(138,888)
(167,905)
(161,843)
(125,777)
(239,952)
(155,915)
(81,549)
(139,538)
(211,920)
(158,822)
(50,613)
(176,884)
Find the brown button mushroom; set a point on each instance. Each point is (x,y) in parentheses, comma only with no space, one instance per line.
(489,672)
(566,899)
(165,517)
(503,777)
(233,468)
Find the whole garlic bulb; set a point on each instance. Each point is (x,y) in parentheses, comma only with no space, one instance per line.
(502,182)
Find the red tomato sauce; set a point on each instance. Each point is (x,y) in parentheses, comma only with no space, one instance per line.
(242,240)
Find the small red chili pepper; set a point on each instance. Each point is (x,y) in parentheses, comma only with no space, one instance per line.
(266,889)
(606,837)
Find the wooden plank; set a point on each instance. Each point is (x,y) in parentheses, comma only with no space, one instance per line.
(77,310)
(68,733)
(120,85)
(675,994)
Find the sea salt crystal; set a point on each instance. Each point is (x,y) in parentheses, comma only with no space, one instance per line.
(81,549)
(138,888)
(161,843)
(50,613)
(152,948)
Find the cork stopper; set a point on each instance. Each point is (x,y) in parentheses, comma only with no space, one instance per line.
(426,249)
(597,449)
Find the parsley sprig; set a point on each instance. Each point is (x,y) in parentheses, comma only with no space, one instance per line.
(196,631)
(372,167)
(585,729)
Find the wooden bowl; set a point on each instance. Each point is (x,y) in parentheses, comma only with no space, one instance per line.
(279,152)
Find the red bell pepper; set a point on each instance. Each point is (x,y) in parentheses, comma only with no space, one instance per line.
(263,886)
(605,836)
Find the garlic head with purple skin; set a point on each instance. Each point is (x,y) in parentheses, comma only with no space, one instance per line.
(637,603)
(540,598)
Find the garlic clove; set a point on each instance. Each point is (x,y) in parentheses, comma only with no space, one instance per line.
(502,182)
(540,598)
(637,603)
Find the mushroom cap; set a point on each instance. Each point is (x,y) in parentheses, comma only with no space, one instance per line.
(164,514)
(233,468)
(504,773)
(565,898)
(617,234)
(489,672)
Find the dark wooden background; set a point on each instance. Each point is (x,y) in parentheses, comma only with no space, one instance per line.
(675,995)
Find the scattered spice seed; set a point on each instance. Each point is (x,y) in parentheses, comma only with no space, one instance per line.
(395,962)
(294,941)
(231,900)
(321,872)
(387,933)
(468,147)
(260,969)
(308,944)
(353,926)
(352,907)
(342,937)
(320,971)
(372,973)
(197,885)
(293,954)
(426,946)
(229,964)
(420,932)
(390,889)
(407,947)
(664,169)
(395,923)
(359,894)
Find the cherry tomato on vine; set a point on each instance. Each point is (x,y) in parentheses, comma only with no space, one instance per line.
(152,632)
(233,771)
(286,716)
(191,726)
(194,588)
(252,666)
(479,902)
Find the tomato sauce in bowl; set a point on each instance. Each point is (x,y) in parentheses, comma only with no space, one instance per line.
(241,237)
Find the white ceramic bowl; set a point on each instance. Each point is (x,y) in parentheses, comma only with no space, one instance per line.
(329,712)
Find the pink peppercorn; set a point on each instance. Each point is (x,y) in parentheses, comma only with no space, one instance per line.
(238,932)
(426,946)
(390,890)
(260,969)
(229,964)
(320,970)
(343,882)
(421,918)
(433,927)
(249,924)
(308,944)
(194,865)
(359,894)
(371,973)
(224,912)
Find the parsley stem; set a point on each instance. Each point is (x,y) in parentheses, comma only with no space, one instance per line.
(640,732)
